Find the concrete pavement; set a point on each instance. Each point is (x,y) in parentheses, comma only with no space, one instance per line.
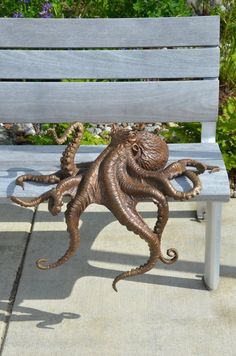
(74,310)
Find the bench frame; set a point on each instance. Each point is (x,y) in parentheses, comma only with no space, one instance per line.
(156,60)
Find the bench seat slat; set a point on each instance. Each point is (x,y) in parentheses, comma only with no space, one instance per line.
(109,64)
(109,33)
(142,101)
(17,160)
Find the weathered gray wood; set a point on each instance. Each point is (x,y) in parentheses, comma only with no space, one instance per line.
(107,33)
(18,160)
(164,63)
(109,101)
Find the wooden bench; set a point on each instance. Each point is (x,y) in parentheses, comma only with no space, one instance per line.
(146,70)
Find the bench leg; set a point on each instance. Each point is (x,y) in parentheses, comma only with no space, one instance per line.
(212,244)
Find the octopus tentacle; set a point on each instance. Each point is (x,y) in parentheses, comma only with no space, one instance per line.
(53,178)
(74,210)
(54,195)
(67,187)
(201,167)
(162,178)
(172,253)
(128,216)
(33,202)
(154,256)
(47,179)
(84,197)
(68,165)
(135,189)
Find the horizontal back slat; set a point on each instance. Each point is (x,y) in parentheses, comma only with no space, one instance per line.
(109,33)
(109,101)
(162,63)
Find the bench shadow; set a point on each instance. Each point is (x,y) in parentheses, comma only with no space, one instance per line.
(58,283)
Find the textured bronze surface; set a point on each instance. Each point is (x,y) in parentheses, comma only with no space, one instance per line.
(132,168)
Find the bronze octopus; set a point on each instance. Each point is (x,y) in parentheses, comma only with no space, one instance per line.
(132,168)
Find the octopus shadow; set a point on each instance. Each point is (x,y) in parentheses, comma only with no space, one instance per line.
(46,320)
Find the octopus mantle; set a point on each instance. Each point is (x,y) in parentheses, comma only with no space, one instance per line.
(132,168)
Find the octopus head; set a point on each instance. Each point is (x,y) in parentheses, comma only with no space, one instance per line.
(149,150)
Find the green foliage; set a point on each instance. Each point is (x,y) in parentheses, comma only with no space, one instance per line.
(228,47)
(45,139)
(154,8)
(94,8)
(89,139)
(226,132)
(227,13)
(185,132)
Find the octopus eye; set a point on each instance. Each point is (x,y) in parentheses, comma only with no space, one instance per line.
(137,151)
(135,148)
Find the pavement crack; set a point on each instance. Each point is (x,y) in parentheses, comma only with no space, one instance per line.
(16,283)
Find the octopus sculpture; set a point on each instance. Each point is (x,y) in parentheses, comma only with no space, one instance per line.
(132,168)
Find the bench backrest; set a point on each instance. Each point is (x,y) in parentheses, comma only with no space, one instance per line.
(113,70)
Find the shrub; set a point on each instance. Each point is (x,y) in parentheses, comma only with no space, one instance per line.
(226,132)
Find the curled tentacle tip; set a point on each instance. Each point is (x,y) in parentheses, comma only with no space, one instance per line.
(214,169)
(114,286)
(41,264)
(173,253)
(21,184)
(55,211)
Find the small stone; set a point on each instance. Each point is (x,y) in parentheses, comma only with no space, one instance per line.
(149,128)
(23,129)
(172,124)
(107,128)
(97,131)
(157,127)
(30,132)
(91,130)
(4,137)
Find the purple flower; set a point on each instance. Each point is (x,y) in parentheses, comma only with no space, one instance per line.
(46,10)
(17,15)
(47,6)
